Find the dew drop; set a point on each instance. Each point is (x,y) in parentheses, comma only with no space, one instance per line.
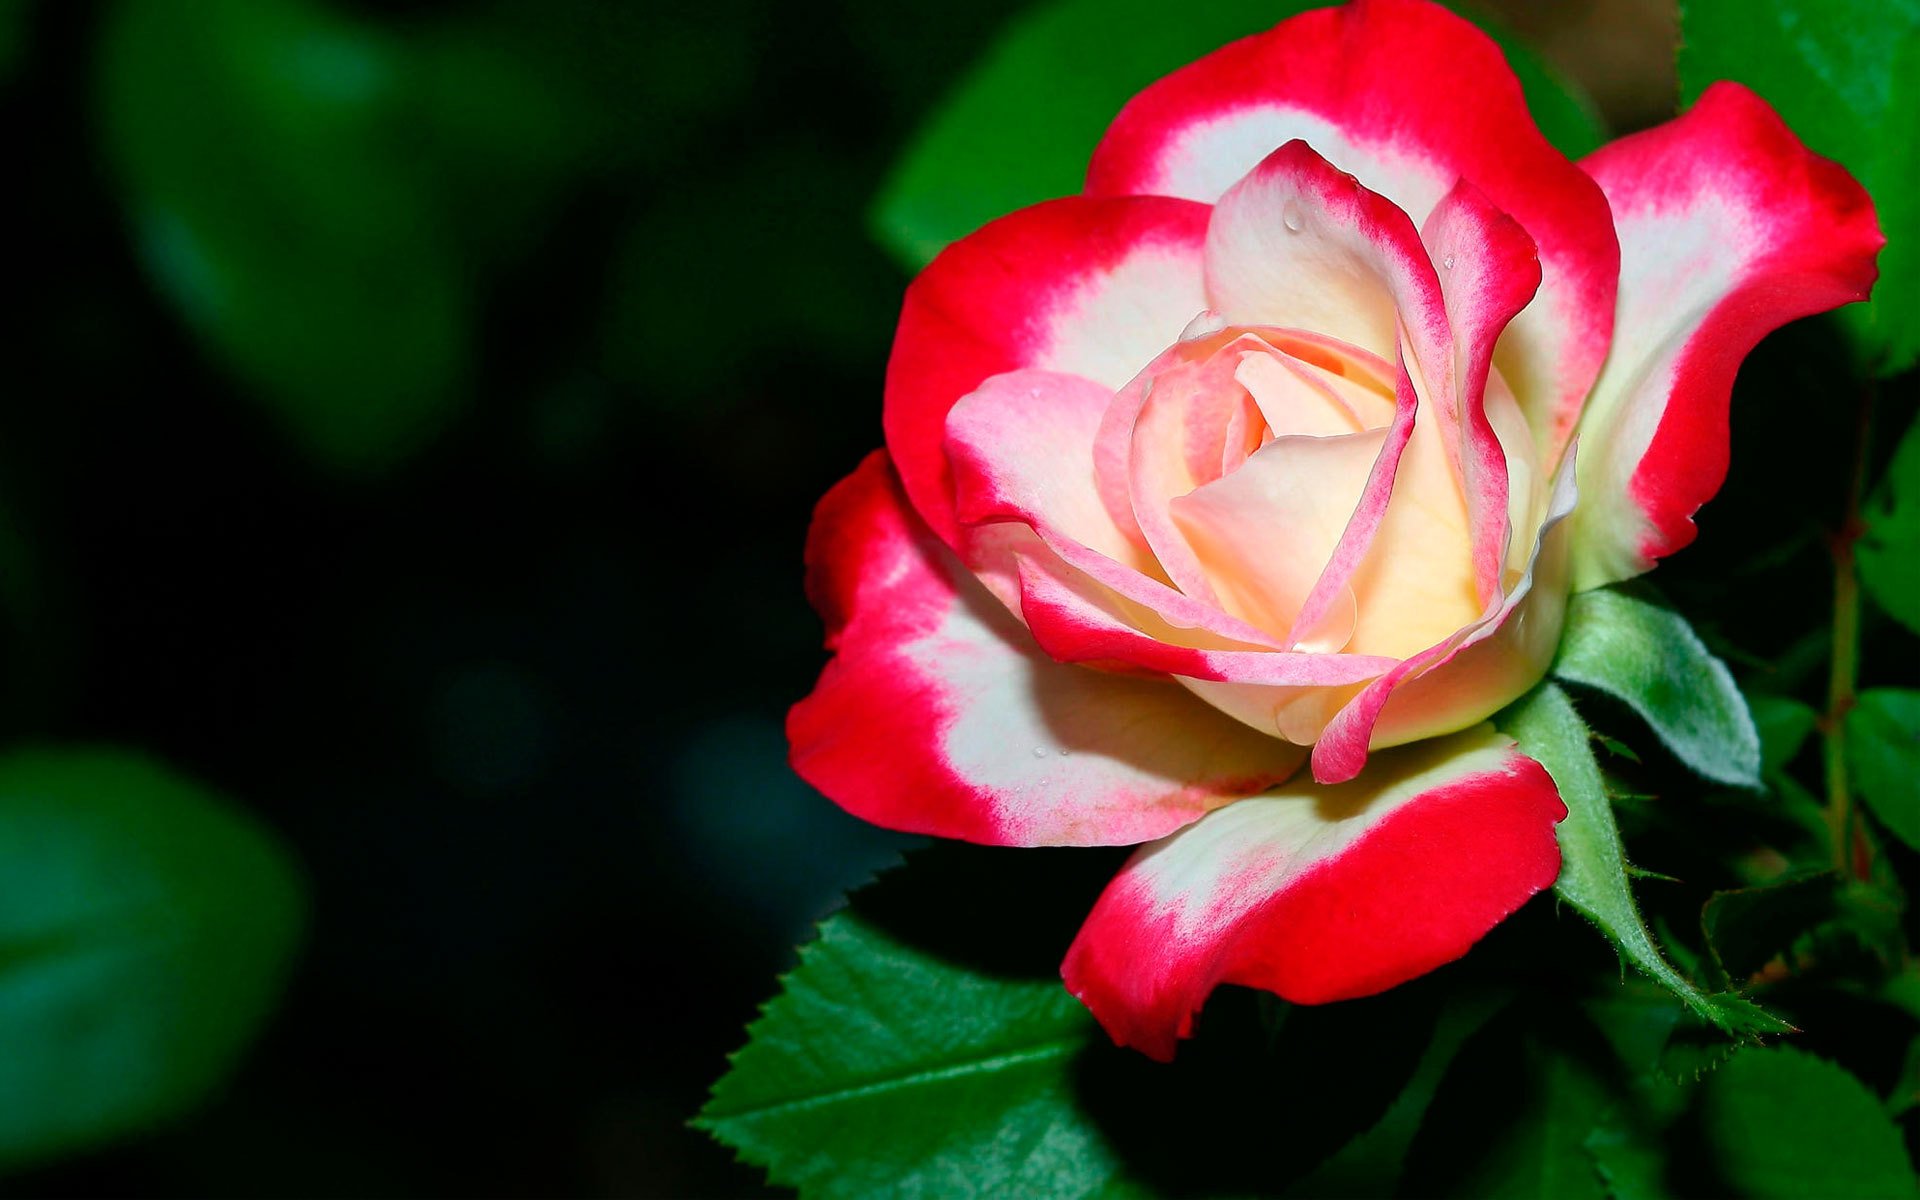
(1447,263)
(1039,751)
(1064,751)
(1292,216)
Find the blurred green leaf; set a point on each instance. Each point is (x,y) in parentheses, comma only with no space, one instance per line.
(992,148)
(1650,658)
(321,198)
(881,1069)
(1889,549)
(1593,867)
(1782,1123)
(1784,725)
(145,930)
(1846,77)
(279,203)
(1883,748)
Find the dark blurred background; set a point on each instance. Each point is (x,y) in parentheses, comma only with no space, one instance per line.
(414,416)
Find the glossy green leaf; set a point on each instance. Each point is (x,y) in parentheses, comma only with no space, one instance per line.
(992,148)
(1889,549)
(881,1069)
(1845,74)
(1883,749)
(1650,658)
(1593,866)
(1783,1123)
(145,930)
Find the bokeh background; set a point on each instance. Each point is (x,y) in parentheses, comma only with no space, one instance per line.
(414,413)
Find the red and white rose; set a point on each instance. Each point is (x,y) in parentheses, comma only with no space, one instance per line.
(1283,445)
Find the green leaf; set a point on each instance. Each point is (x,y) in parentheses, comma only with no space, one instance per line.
(1883,748)
(145,930)
(1371,1164)
(1513,1115)
(1783,724)
(1593,867)
(1650,658)
(1889,550)
(1781,1123)
(991,148)
(1846,77)
(884,1070)
(278,200)
(1746,927)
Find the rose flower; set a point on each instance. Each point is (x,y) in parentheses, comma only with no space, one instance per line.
(1224,503)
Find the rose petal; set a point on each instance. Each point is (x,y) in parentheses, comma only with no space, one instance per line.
(1473,673)
(1262,534)
(937,714)
(1091,287)
(1489,272)
(1297,243)
(1729,228)
(1410,98)
(1320,894)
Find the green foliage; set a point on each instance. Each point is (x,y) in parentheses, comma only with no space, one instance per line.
(996,146)
(1593,868)
(1650,658)
(1782,1123)
(1883,747)
(145,929)
(1889,549)
(315,195)
(881,1070)
(1783,724)
(1846,76)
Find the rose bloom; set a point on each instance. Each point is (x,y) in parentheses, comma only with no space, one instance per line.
(1223,503)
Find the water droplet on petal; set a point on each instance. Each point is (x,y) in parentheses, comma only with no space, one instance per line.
(1447,263)
(1039,751)
(1064,752)
(1295,220)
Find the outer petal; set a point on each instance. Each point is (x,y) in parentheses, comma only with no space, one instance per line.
(1321,894)
(938,715)
(1084,286)
(1729,228)
(1410,98)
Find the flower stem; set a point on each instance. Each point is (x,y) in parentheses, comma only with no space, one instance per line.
(1845,658)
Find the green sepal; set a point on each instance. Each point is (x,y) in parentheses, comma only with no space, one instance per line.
(1593,870)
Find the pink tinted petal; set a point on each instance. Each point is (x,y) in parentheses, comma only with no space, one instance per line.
(1473,673)
(1262,534)
(1297,243)
(1076,619)
(1021,448)
(1410,98)
(1092,287)
(1320,894)
(1489,271)
(937,714)
(1729,228)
